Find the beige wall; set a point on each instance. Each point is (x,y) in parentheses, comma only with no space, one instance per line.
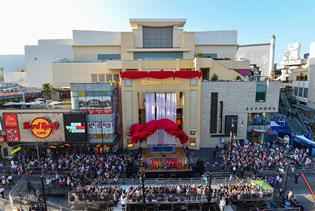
(216,68)
(188,42)
(127,42)
(66,73)
(239,98)
(223,51)
(90,52)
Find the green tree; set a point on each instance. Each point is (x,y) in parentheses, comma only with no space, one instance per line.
(199,55)
(47,89)
(214,77)
(238,78)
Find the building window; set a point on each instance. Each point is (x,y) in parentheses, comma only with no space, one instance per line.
(214,112)
(101,78)
(305,93)
(128,83)
(209,55)
(104,57)
(260,91)
(296,91)
(158,55)
(305,78)
(300,91)
(193,82)
(205,73)
(94,78)
(157,37)
(116,77)
(109,78)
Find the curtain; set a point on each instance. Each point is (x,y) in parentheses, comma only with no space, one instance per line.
(160,106)
(150,115)
(149,107)
(170,106)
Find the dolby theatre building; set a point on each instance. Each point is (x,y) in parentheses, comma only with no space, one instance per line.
(183,87)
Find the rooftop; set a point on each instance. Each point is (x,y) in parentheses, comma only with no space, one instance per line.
(157,22)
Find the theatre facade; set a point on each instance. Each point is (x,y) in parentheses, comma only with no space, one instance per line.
(185,88)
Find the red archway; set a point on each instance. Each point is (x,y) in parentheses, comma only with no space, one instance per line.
(143,131)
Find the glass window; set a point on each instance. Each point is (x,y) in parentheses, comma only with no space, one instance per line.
(305,92)
(109,78)
(101,78)
(210,55)
(296,91)
(116,77)
(300,91)
(158,55)
(94,78)
(193,82)
(104,57)
(214,112)
(128,83)
(261,91)
(157,37)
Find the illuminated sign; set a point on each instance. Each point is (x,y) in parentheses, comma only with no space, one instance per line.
(76,127)
(11,124)
(40,127)
(159,82)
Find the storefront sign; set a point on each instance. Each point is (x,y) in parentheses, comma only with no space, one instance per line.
(75,127)
(11,125)
(159,82)
(40,127)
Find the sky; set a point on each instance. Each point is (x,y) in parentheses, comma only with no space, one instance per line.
(23,22)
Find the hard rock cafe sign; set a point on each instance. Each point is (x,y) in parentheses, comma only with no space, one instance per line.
(40,127)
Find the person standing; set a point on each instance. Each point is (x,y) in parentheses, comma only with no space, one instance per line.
(296,177)
(2,191)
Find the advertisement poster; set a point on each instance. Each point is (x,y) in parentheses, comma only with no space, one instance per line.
(96,105)
(41,127)
(75,127)
(107,127)
(11,125)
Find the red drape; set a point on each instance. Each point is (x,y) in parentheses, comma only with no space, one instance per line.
(143,131)
(160,74)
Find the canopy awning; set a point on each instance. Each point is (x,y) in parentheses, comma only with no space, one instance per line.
(303,140)
(160,74)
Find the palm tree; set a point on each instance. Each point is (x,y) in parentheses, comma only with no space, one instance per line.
(47,89)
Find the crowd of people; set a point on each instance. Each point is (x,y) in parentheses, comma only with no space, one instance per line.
(255,157)
(72,168)
(106,194)
(168,193)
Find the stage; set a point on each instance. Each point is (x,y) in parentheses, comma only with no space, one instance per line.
(165,163)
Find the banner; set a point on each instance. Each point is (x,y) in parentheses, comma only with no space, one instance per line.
(11,125)
(41,127)
(97,104)
(75,127)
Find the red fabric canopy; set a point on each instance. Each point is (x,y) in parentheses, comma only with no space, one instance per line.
(160,74)
(143,131)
